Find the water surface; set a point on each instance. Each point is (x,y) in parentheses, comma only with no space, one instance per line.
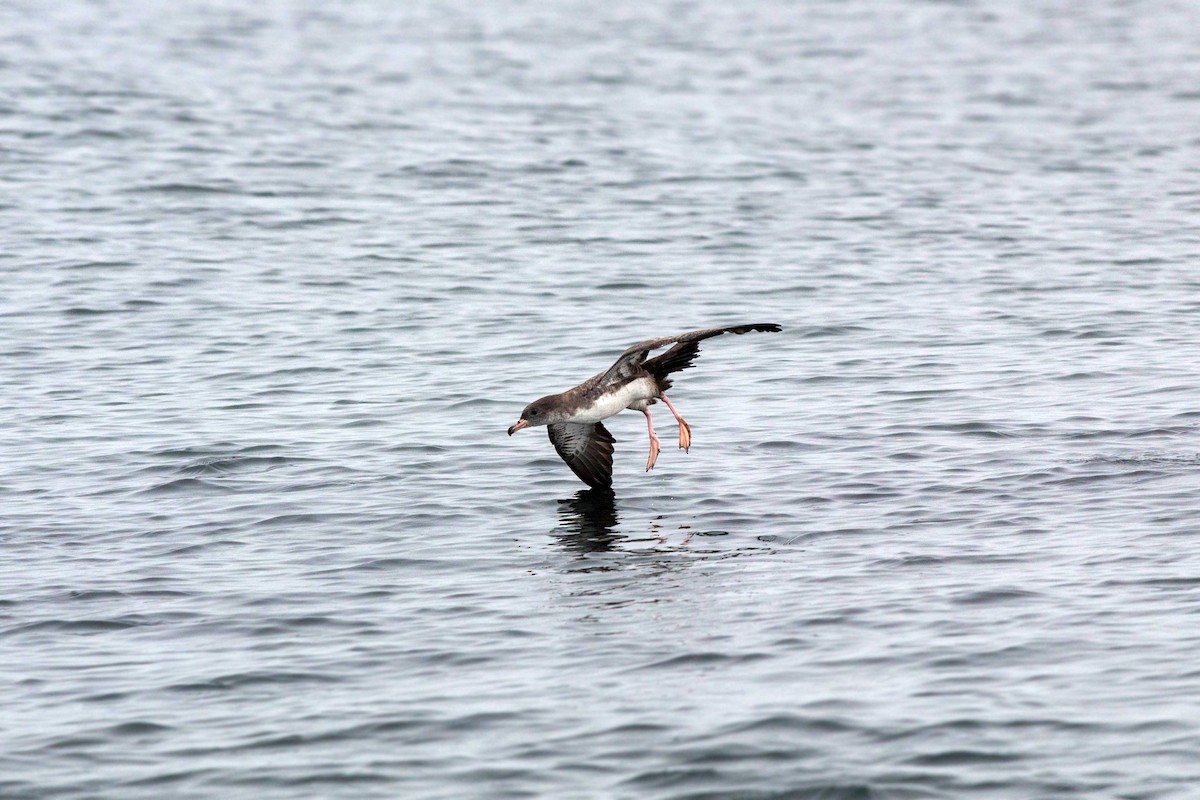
(277,277)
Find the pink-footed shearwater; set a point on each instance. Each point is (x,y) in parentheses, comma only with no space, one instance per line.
(574,416)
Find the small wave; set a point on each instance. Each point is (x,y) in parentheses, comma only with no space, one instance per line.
(962,758)
(240,680)
(76,626)
(335,777)
(97,594)
(792,723)
(1184,461)
(137,728)
(705,660)
(186,486)
(224,465)
(84,265)
(983,429)
(449,168)
(87,311)
(994,596)
(300,519)
(187,188)
(621,285)
(787,444)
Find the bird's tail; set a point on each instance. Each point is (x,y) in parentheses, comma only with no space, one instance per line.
(682,355)
(678,358)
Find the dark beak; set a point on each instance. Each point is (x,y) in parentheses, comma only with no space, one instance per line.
(521,423)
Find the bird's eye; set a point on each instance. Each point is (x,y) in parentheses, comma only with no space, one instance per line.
(533,412)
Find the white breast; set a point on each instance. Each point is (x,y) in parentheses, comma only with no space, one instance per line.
(616,402)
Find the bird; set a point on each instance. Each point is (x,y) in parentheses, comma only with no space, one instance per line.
(634,381)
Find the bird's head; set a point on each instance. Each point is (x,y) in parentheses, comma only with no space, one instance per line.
(539,412)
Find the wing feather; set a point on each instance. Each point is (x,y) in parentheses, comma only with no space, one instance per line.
(634,356)
(587,449)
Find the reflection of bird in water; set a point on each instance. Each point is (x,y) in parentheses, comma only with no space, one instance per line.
(588,519)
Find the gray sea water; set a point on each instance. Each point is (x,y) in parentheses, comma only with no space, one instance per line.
(276,277)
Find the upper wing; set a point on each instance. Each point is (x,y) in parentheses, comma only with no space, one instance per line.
(632,359)
(587,449)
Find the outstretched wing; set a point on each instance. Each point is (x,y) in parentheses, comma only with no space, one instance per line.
(633,358)
(587,449)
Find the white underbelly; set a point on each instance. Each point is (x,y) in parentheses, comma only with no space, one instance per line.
(616,402)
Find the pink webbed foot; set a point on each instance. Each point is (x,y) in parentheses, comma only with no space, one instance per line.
(685,435)
(685,430)
(654,449)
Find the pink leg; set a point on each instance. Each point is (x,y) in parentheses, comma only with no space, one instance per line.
(653,441)
(685,430)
